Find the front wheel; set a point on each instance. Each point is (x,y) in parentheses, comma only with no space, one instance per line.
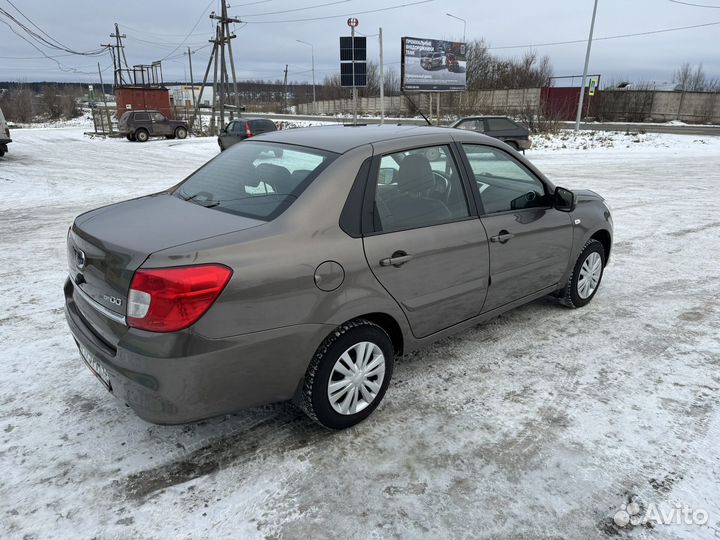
(586,276)
(181,133)
(348,375)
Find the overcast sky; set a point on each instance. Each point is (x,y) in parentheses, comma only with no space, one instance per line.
(155,28)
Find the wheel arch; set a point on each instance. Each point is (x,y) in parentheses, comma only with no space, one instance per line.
(603,236)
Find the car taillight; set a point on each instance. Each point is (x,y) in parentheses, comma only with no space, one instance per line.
(247,130)
(170,299)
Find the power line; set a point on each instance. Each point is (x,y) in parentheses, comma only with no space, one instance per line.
(61,67)
(191,30)
(299,9)
(619,36)
(694,5)
(408,4)
(46,42)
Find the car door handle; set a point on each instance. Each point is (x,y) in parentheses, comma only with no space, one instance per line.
(503,237)
(397,260)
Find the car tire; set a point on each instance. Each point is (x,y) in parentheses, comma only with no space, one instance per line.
(129,137)
(181,133)
(586,276)
(2,150)
(358,341)
(141,135)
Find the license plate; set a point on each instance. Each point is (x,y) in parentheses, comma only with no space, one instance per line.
(96,367)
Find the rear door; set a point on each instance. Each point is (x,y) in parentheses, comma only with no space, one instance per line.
(424,244)
(227,137)
(530,241)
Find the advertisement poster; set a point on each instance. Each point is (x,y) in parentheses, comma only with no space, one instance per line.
(432,65)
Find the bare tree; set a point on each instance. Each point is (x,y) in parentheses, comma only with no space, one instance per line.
(51,101)
(689,79)
(17,104)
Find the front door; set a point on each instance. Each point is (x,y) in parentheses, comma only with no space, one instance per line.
(161,126)
(427,249)
(530,241)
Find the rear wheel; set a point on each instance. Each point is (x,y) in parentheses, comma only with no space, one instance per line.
(142,135)
(514,145)
(181,133)
(348,375)
(3,149)
(586,276)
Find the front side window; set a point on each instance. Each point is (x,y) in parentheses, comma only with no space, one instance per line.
(158,117)
(503,183)
(418,188)
(257,180)
(472,125)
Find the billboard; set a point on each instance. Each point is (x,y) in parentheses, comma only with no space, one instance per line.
(432,65)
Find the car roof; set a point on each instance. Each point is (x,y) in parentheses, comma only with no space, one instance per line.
(483,117)
(340,139)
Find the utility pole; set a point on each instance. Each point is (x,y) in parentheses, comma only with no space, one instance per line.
(192,82)
(585,69)
(217,61)
(120,56)
(312,53)
(107,113)
(354,88)
(382,80)
(285,92)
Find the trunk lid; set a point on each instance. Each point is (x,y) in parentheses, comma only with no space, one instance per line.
(106,246)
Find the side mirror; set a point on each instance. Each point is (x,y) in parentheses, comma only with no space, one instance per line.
(565,200)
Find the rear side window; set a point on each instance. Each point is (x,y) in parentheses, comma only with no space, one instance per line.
(253,179)
(500,124)
(418,188)
(142,117)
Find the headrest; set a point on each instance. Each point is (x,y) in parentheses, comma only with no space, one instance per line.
(415,174)
(275,175)
(248,175)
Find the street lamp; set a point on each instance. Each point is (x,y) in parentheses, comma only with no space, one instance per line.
(459,19)
(312,50)
(585,69)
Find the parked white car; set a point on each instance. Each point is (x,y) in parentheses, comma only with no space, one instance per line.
(4,135)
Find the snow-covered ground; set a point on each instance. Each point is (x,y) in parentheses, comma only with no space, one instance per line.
(541,423)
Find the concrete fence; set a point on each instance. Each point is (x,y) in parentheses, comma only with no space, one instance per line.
(610,105)
(487,101)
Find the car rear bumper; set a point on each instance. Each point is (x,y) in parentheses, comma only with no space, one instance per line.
(208,378)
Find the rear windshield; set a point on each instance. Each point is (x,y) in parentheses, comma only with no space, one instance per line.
(254,179)
(266,125)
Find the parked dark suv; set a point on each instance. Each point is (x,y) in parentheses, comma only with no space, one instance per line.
(243,128)
(498,127)
(141,125)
